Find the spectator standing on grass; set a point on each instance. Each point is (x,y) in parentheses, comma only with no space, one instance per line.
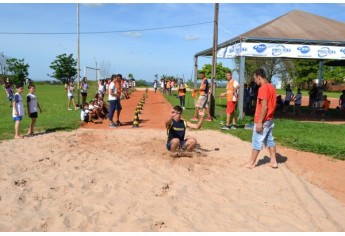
(313,93)
(298,101)
(33,106)
(342,100)
(246,99)
(101,87)
(169,87)
(181,93)
(84,86)
(18,110)
(203,97)
(288,97)
(263,120)
(231,93)
(70,92)
(9,91)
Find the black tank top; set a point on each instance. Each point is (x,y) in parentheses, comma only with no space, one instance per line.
(177,129)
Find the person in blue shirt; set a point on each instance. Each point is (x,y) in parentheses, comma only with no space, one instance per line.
(176,130)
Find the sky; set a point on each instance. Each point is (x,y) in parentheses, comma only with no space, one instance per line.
(143,39)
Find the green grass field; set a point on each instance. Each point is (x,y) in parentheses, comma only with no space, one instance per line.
(322,138)
(307,136)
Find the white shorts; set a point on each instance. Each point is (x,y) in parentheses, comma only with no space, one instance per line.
(202,102)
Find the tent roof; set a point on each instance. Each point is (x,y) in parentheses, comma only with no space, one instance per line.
(295,27)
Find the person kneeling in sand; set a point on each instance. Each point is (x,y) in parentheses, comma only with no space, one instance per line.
(176,129)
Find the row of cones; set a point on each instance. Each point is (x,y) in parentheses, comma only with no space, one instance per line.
(138,110)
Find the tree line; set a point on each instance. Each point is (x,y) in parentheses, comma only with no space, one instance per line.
(296,72)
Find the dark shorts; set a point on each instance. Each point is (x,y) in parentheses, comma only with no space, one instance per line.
(33,115)
(118,105)
(84,94)
(181,144)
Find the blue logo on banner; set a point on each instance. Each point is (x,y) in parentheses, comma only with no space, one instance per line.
(231,49)
(304,49)
(260,48)
(342,50)
(240,49)
(324,51)
(278,50)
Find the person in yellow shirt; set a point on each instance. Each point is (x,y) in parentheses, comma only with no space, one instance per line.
(231,93)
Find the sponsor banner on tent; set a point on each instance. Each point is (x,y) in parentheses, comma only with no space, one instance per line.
(282,50)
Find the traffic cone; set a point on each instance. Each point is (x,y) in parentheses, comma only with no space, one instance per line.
(136,120)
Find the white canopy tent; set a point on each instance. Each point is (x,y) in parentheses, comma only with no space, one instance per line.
(296,34)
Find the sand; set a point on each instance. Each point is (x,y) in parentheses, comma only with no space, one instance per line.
(123,179)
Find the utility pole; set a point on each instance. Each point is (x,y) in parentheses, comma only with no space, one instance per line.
(214,60)
(96,69)
(78,54)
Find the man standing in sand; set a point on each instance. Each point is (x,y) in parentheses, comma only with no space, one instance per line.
(176,129)
(263,120)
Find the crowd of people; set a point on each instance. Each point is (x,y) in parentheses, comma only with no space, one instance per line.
(115,88)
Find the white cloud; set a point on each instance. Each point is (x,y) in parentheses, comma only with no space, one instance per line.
(192,37)
(132,34)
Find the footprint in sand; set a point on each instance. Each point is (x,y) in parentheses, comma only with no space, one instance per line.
(164,189)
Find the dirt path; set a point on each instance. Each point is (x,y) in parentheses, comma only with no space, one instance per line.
(320,170)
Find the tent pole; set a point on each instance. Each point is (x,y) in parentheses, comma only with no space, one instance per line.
(320,84)
(214,61)
(195,71)
(241,93)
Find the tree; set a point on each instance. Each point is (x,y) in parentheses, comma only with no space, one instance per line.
(273,67)
(104,69)
(141,83)
(130,76)
(221,71)
(64,68)
(18,69)
(305,71)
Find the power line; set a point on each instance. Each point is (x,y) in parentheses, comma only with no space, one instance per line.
(112,31)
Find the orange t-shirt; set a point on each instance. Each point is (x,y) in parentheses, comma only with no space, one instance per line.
(231,91)
(326,104)
(203,87)
(267,92)
(181,90)
(118,88)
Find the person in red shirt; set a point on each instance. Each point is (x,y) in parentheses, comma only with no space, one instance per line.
(263,120)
